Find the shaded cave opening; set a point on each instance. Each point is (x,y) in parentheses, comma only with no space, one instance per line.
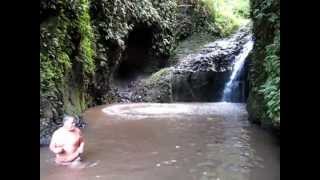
(137,59)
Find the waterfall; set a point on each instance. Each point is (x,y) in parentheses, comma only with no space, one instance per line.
(239,62)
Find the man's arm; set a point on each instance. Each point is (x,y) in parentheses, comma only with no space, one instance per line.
(53,146)
(81,146)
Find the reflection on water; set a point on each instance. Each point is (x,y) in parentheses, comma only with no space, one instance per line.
(187,141)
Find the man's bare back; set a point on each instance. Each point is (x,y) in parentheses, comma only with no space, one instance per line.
(67,142)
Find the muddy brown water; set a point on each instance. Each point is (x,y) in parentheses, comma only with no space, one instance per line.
(182,141)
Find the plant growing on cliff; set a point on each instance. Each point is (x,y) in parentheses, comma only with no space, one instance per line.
(116,19)
(54,58)
(228,15)
(87,37)
(271,88)
(57,46)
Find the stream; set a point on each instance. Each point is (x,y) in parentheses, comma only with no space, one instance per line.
(176,141)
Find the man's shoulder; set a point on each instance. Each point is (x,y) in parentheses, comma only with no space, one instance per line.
(58,131)
(77,129)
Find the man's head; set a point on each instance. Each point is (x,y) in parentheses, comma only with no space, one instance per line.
(69,122)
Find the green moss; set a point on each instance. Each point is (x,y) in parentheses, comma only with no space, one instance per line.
(156,77)
(49,74)
(74,100)
(56,45)
(64,59)
(87,37)
(54,60)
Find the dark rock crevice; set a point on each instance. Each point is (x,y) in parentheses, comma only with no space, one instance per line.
(136,57)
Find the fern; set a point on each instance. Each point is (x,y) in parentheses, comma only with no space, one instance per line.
(271,88)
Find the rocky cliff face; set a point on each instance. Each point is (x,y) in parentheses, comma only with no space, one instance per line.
(200,76)
(83,43)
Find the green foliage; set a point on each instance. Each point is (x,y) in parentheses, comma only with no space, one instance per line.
(114,20)
(228,15)
(242,8)
(54,59)
(87,37)
(57,46)
(265,66)
(49,74)
(271,88)
(193,19)
(266,11)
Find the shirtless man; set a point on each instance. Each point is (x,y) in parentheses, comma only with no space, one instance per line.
(67,142)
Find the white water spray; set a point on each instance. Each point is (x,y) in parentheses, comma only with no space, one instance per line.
(239,62)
